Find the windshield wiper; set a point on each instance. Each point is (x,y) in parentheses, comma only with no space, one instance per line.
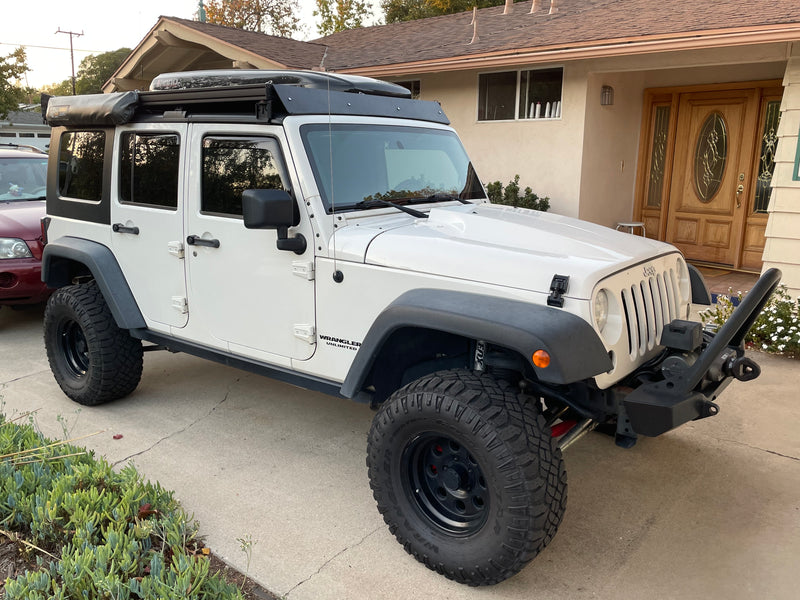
(443,196)
(378,202)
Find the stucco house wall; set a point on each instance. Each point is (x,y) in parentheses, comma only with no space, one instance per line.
(546,154)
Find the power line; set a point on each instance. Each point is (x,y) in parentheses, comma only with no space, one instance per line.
(48,47)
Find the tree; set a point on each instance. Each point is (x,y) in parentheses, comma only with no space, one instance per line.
(96,69)
(273,17)
(12,66)
(410,10)
(338,15)
(93,72)
(59,89)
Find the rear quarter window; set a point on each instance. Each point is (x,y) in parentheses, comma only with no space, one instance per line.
(80,165)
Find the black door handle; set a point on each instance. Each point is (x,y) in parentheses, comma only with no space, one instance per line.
(120,228)
(196,240)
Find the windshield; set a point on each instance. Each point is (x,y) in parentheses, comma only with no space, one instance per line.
(23,178)
(385,162)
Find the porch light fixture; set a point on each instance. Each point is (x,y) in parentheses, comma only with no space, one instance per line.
(606,95)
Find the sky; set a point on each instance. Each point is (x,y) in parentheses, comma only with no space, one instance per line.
(106,25)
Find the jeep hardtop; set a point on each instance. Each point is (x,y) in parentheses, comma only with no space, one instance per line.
(329,231)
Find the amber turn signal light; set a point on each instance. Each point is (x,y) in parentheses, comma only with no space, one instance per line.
(541,359)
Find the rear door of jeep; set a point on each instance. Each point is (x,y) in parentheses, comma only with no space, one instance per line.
(147,218)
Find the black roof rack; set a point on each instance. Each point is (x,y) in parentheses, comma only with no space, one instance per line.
(248,95)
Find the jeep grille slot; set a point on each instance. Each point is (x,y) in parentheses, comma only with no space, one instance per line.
(648,306)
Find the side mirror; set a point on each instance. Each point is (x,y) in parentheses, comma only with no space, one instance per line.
(273,209)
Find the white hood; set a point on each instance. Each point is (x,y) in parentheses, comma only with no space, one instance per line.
(498,245)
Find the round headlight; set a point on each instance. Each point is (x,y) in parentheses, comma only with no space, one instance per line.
(14,248)
(601,309)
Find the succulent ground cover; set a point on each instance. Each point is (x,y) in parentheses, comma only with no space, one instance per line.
(72,527)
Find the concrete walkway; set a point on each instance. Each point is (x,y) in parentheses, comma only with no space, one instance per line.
(711,510)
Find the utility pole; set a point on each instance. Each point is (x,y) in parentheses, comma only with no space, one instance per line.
(71,54)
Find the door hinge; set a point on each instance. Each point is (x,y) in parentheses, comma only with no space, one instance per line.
(175,248)
(180,304)
(307,333)
(304,269)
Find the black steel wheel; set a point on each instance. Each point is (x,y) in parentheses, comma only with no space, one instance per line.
(466,476)
(72,344)
(92,360)
(446,484)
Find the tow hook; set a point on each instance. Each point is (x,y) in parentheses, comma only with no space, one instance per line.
(708,409)
(743,368)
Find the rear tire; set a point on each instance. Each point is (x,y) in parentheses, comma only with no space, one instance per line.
(92,359)
(466,476)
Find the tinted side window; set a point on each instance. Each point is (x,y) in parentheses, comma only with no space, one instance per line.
(232,165)
(149,169)
(80,164)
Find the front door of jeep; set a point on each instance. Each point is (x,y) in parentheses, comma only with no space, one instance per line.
(147,219)
(244,293)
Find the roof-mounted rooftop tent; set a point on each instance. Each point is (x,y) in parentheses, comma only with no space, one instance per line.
(308,79)
(244,96)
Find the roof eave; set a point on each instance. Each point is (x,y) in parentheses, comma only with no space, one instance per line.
(588,50)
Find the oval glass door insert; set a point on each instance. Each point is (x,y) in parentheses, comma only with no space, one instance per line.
(710,155)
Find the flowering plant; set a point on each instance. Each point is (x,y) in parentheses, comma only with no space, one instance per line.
(777,328)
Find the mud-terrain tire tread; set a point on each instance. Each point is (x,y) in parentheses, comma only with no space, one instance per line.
(513,431)
(115,358)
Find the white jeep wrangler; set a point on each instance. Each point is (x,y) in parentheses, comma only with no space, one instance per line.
(330,232)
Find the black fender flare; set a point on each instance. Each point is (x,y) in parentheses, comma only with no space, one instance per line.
(700,293)
(105,270)
(576,352)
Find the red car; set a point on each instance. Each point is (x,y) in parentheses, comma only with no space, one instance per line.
(23,182)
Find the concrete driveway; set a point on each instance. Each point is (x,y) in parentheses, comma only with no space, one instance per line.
(711,510)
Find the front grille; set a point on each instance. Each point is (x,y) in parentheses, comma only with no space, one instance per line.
(647,307)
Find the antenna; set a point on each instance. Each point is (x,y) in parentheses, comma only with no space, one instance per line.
(475,37)
(71,34)
(338,276)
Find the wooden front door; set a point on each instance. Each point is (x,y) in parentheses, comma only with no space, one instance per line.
(705,166)
(707,200)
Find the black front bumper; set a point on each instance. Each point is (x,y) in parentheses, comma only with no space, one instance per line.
(656,407)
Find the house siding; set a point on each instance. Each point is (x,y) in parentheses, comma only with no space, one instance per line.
(783,228)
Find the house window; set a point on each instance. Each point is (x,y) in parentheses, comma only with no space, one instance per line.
(149,169)
(233,165)
(766,160)
(80,164)
(509,95)
(497,94)
(658,156)
(412,86)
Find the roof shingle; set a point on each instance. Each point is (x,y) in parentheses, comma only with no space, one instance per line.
(576,22)
(294,54)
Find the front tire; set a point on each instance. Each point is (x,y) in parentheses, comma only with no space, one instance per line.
(92,360)
(466,476)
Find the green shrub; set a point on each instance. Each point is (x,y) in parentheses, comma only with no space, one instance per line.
(510,196)
(777,328)
(113,535)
